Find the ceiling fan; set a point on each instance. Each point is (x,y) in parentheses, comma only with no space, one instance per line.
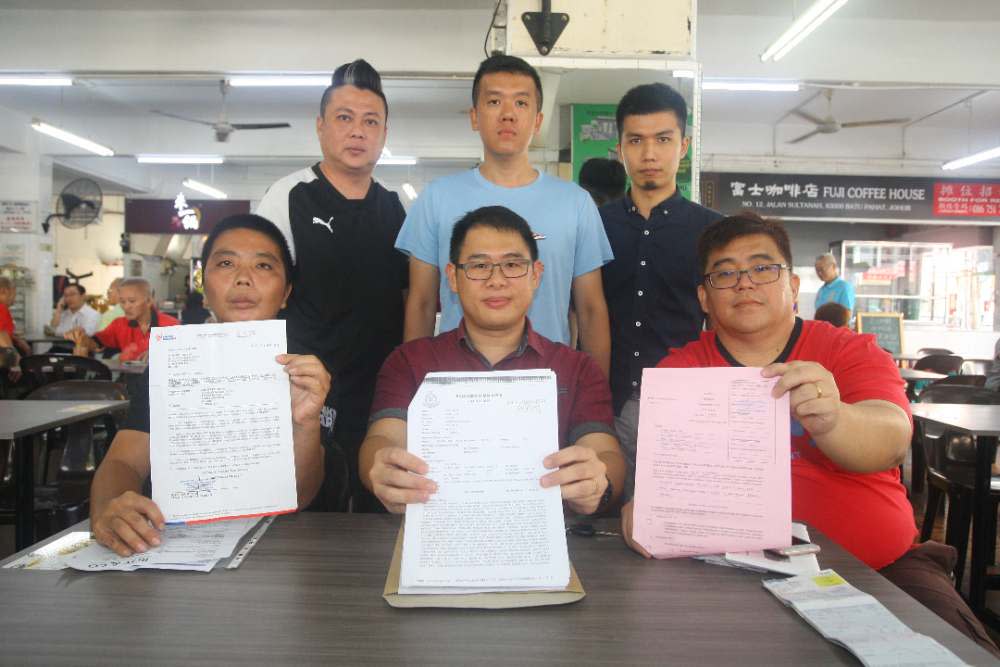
(831,125)
(222,127)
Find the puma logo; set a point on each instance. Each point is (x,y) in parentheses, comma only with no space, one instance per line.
(328,224)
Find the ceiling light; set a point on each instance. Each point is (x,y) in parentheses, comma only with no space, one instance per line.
(71,138)
(397,160)
(197,186)
(760,86)
(972,159)
(808,21)
(179,159)
(35,81)
(410,191)
(319,80)
(683,74)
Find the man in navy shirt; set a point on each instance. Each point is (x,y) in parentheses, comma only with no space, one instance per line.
(651,285)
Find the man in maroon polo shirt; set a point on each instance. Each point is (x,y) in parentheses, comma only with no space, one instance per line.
(495,271)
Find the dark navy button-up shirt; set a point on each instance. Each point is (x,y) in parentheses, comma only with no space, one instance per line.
(651,285)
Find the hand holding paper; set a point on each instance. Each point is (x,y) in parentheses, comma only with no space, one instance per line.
(812,394)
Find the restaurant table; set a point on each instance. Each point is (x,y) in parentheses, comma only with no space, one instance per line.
(311,592)
(19,420)
(982,422)
(34,339)
(125,367)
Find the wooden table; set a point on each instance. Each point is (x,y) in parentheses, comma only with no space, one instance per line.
(310,592)
(982,422)
(19,420)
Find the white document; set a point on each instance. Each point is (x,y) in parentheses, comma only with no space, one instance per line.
(490,526)
(182,547)
(857,621)
(758,561)
(220,421)
(53,555)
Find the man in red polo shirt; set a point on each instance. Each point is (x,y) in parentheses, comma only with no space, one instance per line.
(850,423)
(128,334)
(495,271)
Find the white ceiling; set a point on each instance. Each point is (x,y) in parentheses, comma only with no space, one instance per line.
(427,116)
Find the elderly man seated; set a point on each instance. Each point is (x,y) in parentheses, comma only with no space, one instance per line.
(248,271)
(850,425)
(129,334)
(495,271)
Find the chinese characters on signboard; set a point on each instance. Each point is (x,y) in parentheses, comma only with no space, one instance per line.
(17,216)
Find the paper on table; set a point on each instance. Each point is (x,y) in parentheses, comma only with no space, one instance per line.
(52,556)
(182,547)
(220,421)
(857,621)
(490,526)
(713,470)
(758,561)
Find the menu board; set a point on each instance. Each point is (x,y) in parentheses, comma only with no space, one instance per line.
(887,328)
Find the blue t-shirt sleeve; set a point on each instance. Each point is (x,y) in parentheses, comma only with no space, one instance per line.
(848,296)
(592,248)
(418,237)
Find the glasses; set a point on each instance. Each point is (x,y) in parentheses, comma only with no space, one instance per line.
(510,268)
(761,274)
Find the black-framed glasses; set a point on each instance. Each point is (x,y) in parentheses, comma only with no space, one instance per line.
(510,268)
(760,274)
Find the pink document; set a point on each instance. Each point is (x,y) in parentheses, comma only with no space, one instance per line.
(713,466)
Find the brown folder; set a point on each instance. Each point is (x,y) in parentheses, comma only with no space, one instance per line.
(573,592)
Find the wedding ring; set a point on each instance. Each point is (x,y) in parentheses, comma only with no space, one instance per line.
(819,390)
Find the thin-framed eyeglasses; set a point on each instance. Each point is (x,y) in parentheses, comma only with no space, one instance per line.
(760,274)
(510,268)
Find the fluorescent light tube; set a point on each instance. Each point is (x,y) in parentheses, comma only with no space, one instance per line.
(204,189)
(683,74)
(35,81)
(71,138)
(410,191)
(760,86)
(972,159)
(808,21)
(179,159)
(397,160)
(319,80)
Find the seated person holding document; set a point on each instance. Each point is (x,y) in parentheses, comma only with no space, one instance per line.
(494,270)
(248,276)
(850,425)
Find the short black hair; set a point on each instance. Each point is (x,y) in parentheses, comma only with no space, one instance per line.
(604,179)
(834,313)
(507,65)
(722,232)
(257,224)
(652,98)
(78,286)
(359,74)
(499,218)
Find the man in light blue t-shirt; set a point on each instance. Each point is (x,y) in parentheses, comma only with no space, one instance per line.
(835,289)
(507,98)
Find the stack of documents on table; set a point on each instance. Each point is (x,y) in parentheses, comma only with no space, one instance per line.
(197,547)
(760,561)
(713,463)
(490,527)
(857,621)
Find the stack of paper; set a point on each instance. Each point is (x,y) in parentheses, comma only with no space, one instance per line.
(759,561)
(857,621)
(490,526)
(197,547)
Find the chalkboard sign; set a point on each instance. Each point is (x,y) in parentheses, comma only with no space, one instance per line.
(887,327)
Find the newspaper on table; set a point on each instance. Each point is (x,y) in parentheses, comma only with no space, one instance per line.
(857,621)
(490,526)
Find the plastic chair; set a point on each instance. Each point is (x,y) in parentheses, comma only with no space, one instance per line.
(949,364)
(927,351)
(43,369)
(950,462)
(960,380)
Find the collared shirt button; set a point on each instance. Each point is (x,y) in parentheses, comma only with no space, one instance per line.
(635,383)
(642,262)
(632,210)
(637,354)
(646,232)
(638,323)
(666,212)
(639,292)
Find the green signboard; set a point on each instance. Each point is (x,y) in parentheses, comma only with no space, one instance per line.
(595,134)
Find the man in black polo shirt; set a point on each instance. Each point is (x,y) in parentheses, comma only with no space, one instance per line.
(651,285)
(347,303)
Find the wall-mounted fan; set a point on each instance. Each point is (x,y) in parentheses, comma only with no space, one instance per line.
(222,127)
(78,205)
(830,125)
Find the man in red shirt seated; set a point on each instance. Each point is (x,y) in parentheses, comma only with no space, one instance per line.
(128,334)
(495,271)
(851,423)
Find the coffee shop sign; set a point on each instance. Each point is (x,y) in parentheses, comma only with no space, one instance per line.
(188,216)
(814,191)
